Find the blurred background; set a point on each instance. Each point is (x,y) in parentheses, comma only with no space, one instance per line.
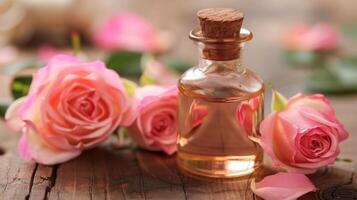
(299,45)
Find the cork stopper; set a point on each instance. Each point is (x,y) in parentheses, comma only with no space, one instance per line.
(220,33)
(220,22)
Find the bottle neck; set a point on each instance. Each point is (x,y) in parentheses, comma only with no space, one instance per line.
(224,57)
(234,65)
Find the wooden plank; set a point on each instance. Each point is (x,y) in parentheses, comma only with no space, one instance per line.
(102,173)
(164,171)
(74,179)
(16,176)
(43,180)
(123,174)
(337,181)
(160,179)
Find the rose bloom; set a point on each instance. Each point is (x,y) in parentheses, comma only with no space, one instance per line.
(155,127)
(128,31)
(320,37)
(304,136)
(71,106)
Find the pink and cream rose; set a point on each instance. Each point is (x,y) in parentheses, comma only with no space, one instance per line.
(304,136)
(155,127)
(72,106)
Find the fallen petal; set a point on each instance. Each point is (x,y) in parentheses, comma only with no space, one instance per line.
(283,186)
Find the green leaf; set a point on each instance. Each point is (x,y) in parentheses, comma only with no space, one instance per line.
(3,109)
(278,102)
(129,86)
(322,81)
(345,69)
(20,86)
(350,30)
(176,64)
(339,77)
(305,58)
(4,105)
(125,63)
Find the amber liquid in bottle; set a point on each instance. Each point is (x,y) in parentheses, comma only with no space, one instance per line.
(218,123)
(220,109)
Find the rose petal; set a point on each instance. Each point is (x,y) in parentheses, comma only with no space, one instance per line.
(32,146)
(24,148)
(283,186)
(318,102)
(170,149)
(331,121)
(278,146)
(271,132)
(13,121)
(147,91)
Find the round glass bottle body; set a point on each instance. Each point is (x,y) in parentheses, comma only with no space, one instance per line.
(221,105)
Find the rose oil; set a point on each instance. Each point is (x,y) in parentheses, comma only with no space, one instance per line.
(220,105)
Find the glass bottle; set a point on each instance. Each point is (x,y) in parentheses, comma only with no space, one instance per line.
(220,102)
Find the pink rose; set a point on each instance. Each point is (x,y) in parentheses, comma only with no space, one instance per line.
(127,31)
(304,136)
(320,37)
(246,114)
(155,127)
(71,106)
